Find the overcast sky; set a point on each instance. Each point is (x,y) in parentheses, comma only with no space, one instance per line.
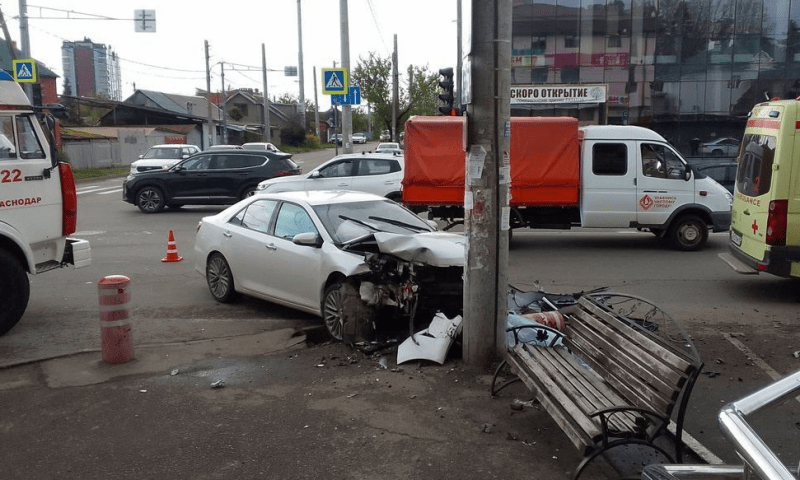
(172,59)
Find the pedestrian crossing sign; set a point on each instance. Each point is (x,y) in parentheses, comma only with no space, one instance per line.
(334,81)
(24,70)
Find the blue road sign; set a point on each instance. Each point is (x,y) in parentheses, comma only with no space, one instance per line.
(353,97)
(24,70)
(334,81)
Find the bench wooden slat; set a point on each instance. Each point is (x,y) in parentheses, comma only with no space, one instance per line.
(643,359)
(555,367)
(575,429)
(594,384)
(627,384)
(599,394)
(678,359)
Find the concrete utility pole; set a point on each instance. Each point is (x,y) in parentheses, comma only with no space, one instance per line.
(26,42)
(224,102)
(266,116)
(487,183)
(316,106)
(347,112)
(302,107)
(395,91)
(209,117)
(460,55)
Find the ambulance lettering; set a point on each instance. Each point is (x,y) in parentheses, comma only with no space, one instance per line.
(20,202)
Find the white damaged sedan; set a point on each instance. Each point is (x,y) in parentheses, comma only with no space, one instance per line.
(364,263)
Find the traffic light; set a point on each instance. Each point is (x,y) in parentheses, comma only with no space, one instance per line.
(446,87)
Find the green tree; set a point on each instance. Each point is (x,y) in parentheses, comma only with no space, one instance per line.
(417,90)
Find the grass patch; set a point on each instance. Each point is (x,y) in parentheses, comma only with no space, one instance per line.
(84,173)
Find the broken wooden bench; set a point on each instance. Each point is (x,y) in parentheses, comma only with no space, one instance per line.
(614,378)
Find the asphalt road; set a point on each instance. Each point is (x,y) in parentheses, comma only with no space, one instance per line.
(744,326)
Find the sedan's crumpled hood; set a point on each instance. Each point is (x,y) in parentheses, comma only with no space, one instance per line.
(438,249)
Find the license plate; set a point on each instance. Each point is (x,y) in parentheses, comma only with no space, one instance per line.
(736,238)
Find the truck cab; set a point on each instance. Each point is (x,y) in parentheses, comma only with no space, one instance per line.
(632,177)
(38,204)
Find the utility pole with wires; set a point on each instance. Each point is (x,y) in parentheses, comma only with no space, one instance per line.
(395,91)
(266,117)
(302,107)
(347,112)
(487,183)
(224,102)
(209,117)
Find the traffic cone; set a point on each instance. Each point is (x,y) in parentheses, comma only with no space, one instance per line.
(172,250)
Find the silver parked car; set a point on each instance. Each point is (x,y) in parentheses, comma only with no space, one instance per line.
(361,262)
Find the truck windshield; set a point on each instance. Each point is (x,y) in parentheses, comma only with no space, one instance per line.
(754,174)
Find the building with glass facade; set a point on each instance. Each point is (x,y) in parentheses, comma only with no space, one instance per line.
(90,70)
(686,68)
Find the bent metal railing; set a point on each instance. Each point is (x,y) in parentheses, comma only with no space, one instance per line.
(759,461)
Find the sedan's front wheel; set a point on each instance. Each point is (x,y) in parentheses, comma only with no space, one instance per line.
(220,279)
(332,310)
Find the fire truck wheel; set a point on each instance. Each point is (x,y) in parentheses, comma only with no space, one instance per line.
(14,291)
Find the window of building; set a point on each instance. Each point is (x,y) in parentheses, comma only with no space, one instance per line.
(570,41)
(609,159)
(614,41)
(242,107)
(539,45)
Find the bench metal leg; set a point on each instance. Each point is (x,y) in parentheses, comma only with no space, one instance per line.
(495,391)
(617,443)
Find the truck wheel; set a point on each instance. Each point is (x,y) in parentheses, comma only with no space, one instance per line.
(150,200)
(14,291)
(688,233)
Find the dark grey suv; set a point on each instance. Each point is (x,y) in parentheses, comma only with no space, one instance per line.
(220,177)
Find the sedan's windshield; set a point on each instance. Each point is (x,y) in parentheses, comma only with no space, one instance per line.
(346,221)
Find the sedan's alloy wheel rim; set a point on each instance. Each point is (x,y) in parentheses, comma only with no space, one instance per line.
(218,277)
(333,319)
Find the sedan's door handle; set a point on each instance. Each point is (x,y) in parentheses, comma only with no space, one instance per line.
(227,234)
(271,246)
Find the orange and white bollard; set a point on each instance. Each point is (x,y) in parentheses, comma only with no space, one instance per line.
(172,250)
(115,326)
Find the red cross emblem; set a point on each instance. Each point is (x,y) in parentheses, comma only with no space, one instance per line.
(754,227)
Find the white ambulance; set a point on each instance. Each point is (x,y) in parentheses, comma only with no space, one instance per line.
(38,203)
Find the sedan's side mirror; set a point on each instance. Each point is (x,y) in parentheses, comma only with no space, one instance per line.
(315,174)
(309,239)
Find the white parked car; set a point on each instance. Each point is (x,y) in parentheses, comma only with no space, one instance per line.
(391,147)
(359,138)
(261,146)
(361,262)
(160,157)
(377,173)
(727,147)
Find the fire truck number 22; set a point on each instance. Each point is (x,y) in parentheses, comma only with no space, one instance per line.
(8,176)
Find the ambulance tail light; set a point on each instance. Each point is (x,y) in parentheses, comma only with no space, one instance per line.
(69,200)
(776,223)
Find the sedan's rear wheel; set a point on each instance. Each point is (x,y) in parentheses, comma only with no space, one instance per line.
(220,279)
(332,310)
(150,200)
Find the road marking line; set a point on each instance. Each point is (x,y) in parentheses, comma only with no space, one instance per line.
(110,191)
(93,189)
(756,359)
